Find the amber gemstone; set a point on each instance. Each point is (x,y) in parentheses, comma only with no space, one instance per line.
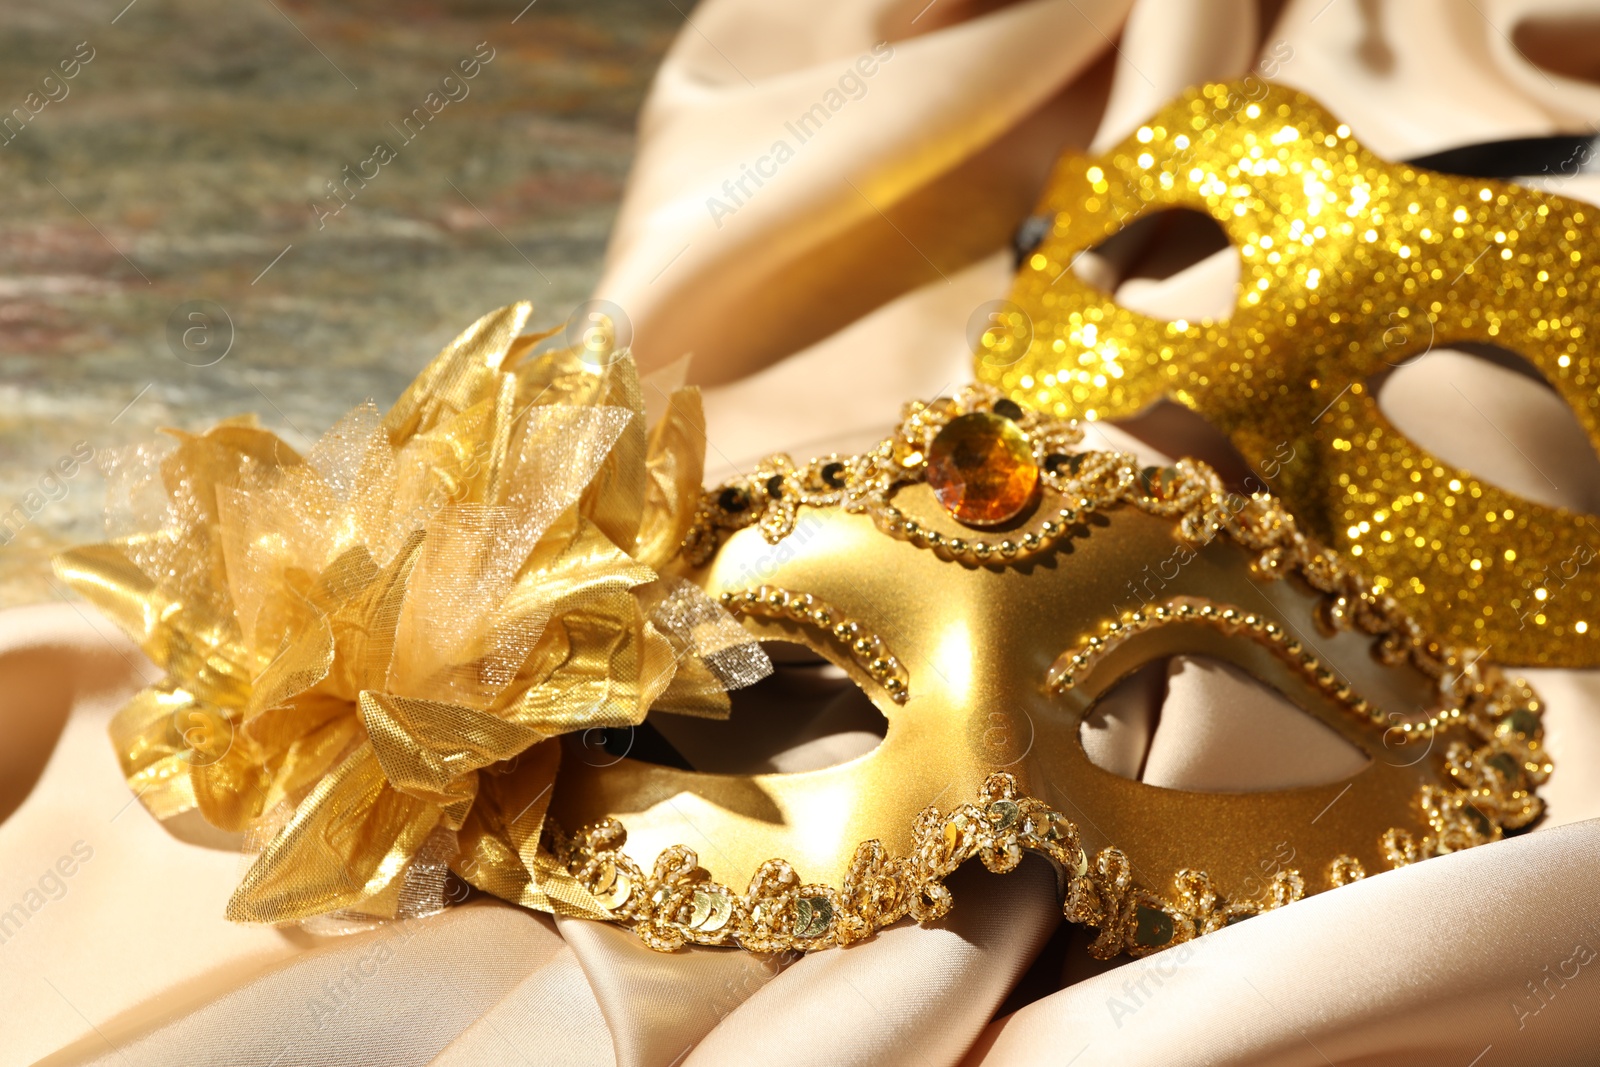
(981,468)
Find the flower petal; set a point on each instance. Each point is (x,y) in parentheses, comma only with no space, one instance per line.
(500,851)
(462,375)
(427,748)
(349,843)
(676,467)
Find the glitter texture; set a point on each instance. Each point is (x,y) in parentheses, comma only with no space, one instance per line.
(1348,266)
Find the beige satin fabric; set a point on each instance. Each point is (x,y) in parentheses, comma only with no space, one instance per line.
(840,287)
(1422,967)
(398,995)
(1196,723)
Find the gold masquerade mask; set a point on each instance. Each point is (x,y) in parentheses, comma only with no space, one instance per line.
(383,658)
(983,583)
(1349,265)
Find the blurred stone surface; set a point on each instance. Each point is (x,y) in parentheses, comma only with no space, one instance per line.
(183,159)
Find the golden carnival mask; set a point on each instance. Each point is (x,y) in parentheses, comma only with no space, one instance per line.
(979,578)
(384,661)
(1348,266)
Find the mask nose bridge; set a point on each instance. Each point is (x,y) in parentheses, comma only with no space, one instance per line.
(979,669)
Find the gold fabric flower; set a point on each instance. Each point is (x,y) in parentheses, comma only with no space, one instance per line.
(370,648)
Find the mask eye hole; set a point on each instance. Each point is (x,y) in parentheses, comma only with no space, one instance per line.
(1168,265)
(1567,45)
(1199,724)
(1488,410)
(807,715)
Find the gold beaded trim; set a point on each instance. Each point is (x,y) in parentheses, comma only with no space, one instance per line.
(1490,787)
(771,495)
(1229,619)
(864,646)
(1488,792)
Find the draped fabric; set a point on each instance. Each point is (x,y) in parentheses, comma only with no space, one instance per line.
(815,302)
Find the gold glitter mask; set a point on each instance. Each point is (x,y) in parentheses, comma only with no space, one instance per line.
(1348,266)
(985,641)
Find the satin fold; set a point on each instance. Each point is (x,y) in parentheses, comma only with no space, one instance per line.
(1415,968)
